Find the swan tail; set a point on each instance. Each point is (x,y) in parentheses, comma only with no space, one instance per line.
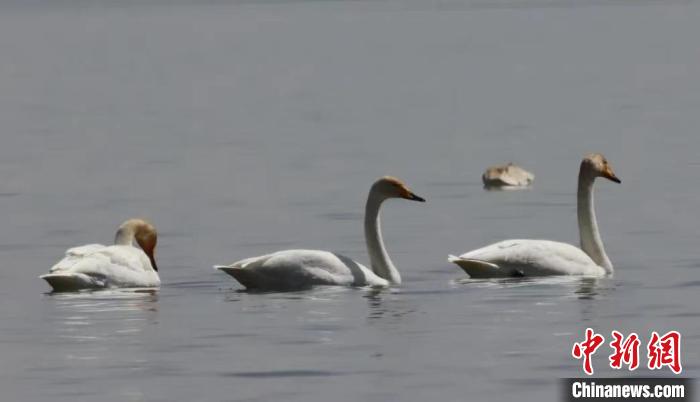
(478,268)
(243,271)
(69,282)
(244,276)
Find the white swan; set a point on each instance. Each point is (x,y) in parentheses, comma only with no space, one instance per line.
(296,269)
(544,257)
(509,175)
(97,266)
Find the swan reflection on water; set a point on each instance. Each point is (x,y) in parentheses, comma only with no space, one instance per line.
(580,287)
(91,330)
(388,305)
(105,305)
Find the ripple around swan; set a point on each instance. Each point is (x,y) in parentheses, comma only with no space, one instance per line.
(492,188)
(212,283)
(561,287)
(88,303)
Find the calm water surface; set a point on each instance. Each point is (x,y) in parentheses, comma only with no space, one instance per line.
(244,127)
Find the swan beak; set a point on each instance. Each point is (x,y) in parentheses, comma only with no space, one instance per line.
(610,175)
(413,197)
(153,263)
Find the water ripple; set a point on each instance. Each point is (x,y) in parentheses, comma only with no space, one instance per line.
(284,373)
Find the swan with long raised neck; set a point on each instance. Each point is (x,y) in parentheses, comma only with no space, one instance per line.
(545,257)
(96,266)
(295,269)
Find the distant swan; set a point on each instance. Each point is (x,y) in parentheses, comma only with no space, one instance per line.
(296,269)
(544,257)
(95,266)
(509,175)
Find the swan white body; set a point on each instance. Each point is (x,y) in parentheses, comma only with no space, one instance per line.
(96,266)
(509,175)
(544,257)
(527,258)
(296,269)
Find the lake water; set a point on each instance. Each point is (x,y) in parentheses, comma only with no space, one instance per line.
(244,127)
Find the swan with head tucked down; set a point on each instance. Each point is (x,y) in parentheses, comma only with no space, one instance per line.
(95,266)
(543,257)
(298,269)
(507,176)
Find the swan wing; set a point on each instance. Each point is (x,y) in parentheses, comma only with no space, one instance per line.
(529,258)
(291,269)
(507,175)
(87,249)
(74,256)
(519,176)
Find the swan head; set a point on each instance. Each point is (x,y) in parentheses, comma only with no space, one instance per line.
(596,165)
(391,187)
(145,235)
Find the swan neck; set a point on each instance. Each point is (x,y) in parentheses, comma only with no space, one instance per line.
(591,242)
(125,236)
(378,256)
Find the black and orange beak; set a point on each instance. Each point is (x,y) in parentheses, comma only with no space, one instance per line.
(413,197)
(610,175)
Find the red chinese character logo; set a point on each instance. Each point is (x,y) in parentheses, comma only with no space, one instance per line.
(587,349)
(665,351)
(625,352)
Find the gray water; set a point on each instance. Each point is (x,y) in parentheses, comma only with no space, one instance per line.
(244,127)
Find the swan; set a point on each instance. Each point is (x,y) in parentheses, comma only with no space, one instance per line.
(298,269)
(509,175)
(96,266)
(544,257)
